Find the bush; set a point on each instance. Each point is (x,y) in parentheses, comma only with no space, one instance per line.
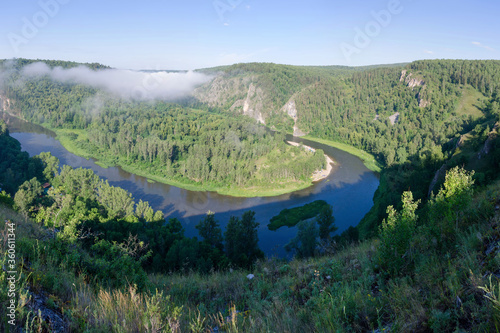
(394,254)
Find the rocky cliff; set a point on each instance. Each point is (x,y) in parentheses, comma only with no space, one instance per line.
(244,94)
(413,81)
(239,94)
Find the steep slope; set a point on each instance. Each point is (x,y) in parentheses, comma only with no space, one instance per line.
(433,269)
(408,116)
(262,90)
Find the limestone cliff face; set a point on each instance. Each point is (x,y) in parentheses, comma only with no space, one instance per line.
(5,104)
(410,80)
(245,94)
(239,94)
(253,104)
(413,81)
(291,109)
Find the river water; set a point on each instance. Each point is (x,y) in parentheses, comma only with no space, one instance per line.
(349,189)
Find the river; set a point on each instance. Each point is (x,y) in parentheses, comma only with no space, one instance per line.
(349,189)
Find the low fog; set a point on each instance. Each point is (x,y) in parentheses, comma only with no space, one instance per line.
(124,83)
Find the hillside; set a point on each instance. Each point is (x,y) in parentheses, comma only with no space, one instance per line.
(408,116)
(398,282)
(161,140)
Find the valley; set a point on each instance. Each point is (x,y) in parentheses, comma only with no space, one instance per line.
(176,195)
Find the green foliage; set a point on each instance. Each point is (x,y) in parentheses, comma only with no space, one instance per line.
(449,205)
(241,240)
(6,199)
(325,221)
(163,140)
(28,195)
(492,293)
(424,273)
(290,217)
(209,230)
(395,254)
(51,165)
(16,166)
(457,190)
(340,292)
(305,242)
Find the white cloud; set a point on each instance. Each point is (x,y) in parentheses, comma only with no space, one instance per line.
(428,52)
(478,44)
(125,83)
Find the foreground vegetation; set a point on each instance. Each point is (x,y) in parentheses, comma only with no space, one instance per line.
(83,264)
(363,287)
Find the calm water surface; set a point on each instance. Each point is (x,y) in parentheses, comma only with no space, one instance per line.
(349,189)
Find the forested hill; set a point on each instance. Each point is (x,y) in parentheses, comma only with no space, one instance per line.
(261,90)
(409,116)
(20,63)
(164,141)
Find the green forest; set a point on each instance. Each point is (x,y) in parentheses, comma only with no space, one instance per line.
(166,142)
(424,259)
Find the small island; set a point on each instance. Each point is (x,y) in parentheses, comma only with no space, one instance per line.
(291,217)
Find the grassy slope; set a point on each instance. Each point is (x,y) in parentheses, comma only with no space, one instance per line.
(340,292)
(367,158)
(469,103)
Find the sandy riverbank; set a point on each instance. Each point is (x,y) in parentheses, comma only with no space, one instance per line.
(323,173)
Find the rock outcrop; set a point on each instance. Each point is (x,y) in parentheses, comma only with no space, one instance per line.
(394,118)
(412,82)
(253,104)
(291,109)
(5,103)
(221,91)
(489,141)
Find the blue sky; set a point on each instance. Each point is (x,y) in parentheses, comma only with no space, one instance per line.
(164,34)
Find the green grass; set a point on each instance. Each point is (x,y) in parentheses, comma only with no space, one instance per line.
(255,191)
(469,102)
(367,158)
(103,164)
(346,291)
(69,138)
(290,217)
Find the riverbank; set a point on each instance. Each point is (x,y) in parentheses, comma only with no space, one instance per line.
(368,159)
(70,138)
(320,174)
